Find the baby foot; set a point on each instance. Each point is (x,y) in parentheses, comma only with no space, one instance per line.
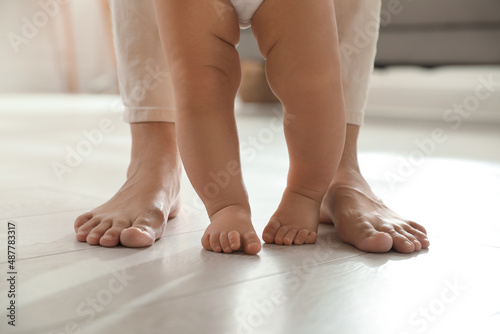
(294,222)
(231,230)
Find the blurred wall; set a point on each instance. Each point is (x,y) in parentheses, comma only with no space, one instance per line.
(55,46)
(65,45)
(439,32)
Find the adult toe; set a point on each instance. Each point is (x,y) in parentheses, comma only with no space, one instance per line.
(251,243)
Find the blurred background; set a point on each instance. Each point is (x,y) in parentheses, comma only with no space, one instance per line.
(430,53)
(56,47)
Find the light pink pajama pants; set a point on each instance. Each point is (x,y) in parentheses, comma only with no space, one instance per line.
(146,86)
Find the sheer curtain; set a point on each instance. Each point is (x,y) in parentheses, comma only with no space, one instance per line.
(56,46)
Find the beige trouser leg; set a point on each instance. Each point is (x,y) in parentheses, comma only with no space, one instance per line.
(143,75)
(145,83)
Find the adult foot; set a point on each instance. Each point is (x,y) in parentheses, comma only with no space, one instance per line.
(231,230)
(360,218)
(363,220)
(294,222)
(137,214)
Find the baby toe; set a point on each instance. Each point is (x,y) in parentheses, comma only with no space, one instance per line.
(280,235)
(224,243)
(270,231)
(215,243)
(289,237)
(234,240)
(251,243)
(301,237)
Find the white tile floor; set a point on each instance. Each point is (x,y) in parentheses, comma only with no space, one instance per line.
(64,286)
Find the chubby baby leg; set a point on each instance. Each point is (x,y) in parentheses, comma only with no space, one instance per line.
(298,39)
(199,39)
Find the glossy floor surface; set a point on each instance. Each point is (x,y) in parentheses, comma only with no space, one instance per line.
(451,186)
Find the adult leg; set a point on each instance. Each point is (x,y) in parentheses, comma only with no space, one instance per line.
(299,41)
(136,216)
(199,37)
(360,218)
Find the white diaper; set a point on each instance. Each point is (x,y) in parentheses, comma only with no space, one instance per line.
(246,10)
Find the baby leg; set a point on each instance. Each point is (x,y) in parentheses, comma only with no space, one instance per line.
(299,41)
(199,38)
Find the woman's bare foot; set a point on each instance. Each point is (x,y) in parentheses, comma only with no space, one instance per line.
(136,215)
(362,219)
(231,230)
(294,222)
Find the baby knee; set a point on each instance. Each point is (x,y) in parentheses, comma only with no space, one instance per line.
(204,79)
(305,85)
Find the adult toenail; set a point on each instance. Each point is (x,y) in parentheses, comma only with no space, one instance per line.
(107,237)
(92,235)
(81,232)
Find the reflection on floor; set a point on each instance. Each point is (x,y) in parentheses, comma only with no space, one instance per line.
(63,286)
